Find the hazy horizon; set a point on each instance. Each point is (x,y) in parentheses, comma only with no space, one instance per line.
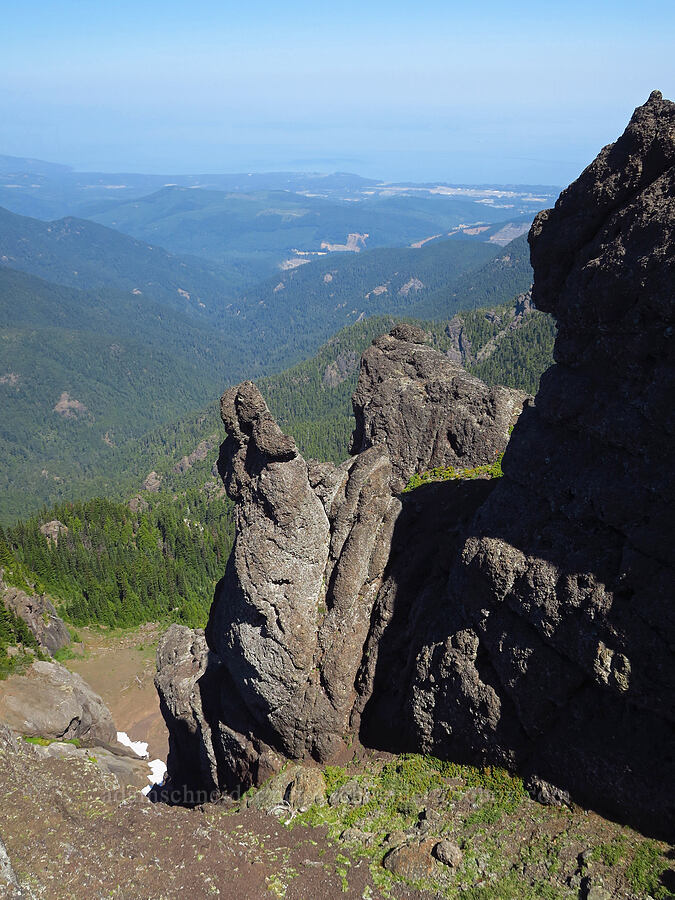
(500,95)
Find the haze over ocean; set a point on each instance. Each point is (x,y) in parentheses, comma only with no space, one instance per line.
(432,91)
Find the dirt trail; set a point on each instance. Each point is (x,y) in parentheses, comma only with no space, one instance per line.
(120,666)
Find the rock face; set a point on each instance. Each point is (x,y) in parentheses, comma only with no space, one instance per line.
(278,679)
(288,661)
(53,531)
(554,650)
(51,702)
(525,622)
(39,614)
(426,410)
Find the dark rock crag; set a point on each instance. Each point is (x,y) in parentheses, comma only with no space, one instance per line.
(426,410)
(288,660)
(526,622)
(554,648)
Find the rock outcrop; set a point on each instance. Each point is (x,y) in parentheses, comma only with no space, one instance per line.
(527,621)
(554,648)
(49,630)
(51,702)
(426,410)
(288,661)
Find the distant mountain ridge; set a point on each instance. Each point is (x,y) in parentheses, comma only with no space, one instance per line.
(133,337)
(47,190)
(86,255)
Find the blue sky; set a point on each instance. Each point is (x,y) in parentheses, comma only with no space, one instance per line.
(502,92)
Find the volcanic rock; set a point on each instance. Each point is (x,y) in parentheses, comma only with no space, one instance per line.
(525,621)
(426,410)
(553,647)
(49,630)
(51,702)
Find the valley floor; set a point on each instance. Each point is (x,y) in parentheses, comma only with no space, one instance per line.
(120,666)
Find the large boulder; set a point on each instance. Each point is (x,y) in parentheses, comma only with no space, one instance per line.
(50,701)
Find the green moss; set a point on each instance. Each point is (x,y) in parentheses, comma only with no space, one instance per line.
(45,742)
(448,473)
(644,872)
(610,853)
(335,777)
(342,866)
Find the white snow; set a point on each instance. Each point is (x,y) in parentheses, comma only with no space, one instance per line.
(140,748)
(157,773)
(157,766)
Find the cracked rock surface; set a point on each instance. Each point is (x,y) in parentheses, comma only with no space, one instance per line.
(288,663)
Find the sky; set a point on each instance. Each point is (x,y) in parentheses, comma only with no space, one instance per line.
(518,92)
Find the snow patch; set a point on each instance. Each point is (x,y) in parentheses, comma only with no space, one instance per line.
(156,776)
(140,748)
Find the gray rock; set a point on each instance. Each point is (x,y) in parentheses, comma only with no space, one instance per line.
(277,679)
(307,788)
(52,702)
(546,793)
(354,835)
(523,622)
(7,874)
(128,771)
(426,410)
(182,660)
(554,644)
(8,742)
(350,794)
(290,664)
(448,853)
(49,630)
(593,889)
(294,789)
(53,531)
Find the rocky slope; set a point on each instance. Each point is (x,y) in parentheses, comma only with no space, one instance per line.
(524,622)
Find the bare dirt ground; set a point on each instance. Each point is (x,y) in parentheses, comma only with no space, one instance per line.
(69,832)
(120,666)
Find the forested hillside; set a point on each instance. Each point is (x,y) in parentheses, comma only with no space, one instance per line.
(82,254)
(158,556)
(87,375)
(338,290)
(121,566)
(82,373)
